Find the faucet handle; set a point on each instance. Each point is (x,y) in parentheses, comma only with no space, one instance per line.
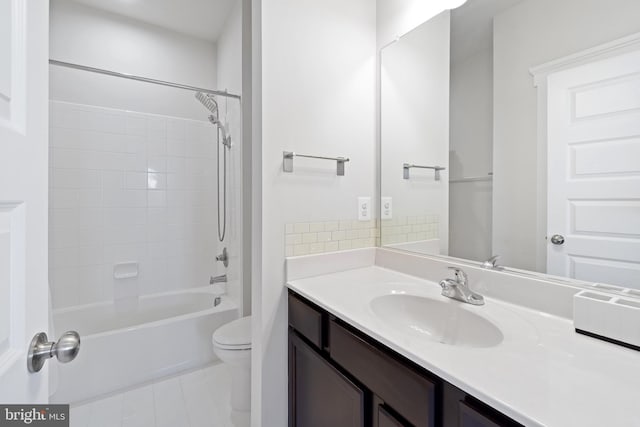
(491,263)
(223,257)
(461,276)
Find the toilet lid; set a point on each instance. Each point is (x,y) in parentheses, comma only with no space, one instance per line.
(235,334)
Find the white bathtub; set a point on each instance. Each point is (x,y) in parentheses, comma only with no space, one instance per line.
(134,341)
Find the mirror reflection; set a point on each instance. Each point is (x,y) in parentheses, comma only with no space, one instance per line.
(512,128)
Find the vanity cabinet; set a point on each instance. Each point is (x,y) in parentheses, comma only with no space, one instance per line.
(382,416)
(470,417)
(338,377)
(323,395)
(387,420)
(409,392)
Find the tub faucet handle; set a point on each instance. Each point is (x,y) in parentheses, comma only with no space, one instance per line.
(223,257)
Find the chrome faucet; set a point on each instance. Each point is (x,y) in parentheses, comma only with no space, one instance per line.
(458,288)
(492,263)
(218,279)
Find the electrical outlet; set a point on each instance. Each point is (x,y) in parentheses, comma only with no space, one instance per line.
(364,208)
(386,211)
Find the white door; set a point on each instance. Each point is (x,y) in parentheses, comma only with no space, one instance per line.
(594,171)
(23,194)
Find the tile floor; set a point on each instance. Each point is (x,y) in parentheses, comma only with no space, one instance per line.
(195,399)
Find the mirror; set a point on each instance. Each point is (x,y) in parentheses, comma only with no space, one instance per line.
(512,128)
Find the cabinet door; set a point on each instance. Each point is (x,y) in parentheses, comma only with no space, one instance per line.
(471,417)
(386,419)
(319,395)
(383,416)
(411,394)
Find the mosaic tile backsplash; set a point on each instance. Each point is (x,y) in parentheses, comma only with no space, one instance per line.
(409,229)
(307,238)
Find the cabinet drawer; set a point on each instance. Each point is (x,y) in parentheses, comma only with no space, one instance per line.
(409,393)
(306,320)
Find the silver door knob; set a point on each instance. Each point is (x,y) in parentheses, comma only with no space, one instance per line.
(557,239)
(40,350)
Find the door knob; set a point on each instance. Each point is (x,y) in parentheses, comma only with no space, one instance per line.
(557,239)
(40,350)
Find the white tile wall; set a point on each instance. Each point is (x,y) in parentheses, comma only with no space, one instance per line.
(128,186)
(317,237)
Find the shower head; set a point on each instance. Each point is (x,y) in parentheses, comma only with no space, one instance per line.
(208,101)
(210,104)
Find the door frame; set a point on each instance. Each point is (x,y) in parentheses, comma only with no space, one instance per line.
(540,76)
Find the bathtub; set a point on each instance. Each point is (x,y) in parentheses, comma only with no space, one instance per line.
(130,342)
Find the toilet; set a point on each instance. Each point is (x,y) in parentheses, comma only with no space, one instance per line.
(232,344)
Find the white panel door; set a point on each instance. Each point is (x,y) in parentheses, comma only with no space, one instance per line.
(594,171)
(23,195)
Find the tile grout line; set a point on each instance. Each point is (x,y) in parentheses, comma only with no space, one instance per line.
(184,402)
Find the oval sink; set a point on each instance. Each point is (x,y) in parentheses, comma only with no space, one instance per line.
(443,322)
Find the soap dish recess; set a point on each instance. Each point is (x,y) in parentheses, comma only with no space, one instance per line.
(610,317)
(125,270)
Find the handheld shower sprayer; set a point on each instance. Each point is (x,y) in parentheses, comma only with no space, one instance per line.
(226,139)
(210,104)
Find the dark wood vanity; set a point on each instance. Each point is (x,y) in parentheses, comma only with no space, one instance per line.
(340,377)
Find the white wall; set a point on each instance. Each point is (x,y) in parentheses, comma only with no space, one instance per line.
(470,218)
(471,152)
(229,77)
(318,86)
(415,127)
(229,52)
(100,39)
(397,17)
(529,34)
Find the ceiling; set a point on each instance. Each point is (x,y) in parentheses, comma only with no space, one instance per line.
(472,26)
(203,19)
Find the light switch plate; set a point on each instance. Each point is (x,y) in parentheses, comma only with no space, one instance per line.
(364,208)
(386,211)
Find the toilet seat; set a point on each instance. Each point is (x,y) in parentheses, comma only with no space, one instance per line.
(235,335)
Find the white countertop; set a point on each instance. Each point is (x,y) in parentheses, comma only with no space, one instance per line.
(541,374)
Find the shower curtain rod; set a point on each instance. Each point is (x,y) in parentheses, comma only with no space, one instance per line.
(142,79)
